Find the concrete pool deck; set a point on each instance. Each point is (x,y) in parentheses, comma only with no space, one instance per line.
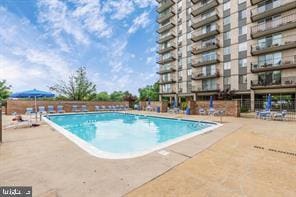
(221,162)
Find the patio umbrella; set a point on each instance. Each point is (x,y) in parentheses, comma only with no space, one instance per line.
(211,102)
(268,104)
(33,94)
(149,101)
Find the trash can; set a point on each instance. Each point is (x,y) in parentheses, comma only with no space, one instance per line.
(158,109)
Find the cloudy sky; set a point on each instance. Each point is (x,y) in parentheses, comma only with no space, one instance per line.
(43,41)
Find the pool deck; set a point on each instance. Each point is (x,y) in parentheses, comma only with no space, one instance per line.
(220,163)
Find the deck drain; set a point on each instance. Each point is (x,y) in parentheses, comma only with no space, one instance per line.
(275,150)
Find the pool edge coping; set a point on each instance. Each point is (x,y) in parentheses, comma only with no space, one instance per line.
(92,150)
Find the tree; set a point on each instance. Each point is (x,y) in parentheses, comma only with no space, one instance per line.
(78,87)
(4,90)
(103,96)
(150,91)
(129,98)
(117,96)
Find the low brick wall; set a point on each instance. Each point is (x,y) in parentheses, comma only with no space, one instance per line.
(231,107)
(19,106)
(154,104)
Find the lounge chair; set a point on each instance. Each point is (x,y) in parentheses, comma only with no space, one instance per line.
(211,111)
(84,108)
(202,111)
(41,110)
(97,108)
(75,108)
(265,115)
(280,115)
(50,109)
(60,109)
(149,108)
(29,111)
(103,108)
(109,108)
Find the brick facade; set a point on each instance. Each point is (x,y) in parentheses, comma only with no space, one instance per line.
(19,106)
(231,107)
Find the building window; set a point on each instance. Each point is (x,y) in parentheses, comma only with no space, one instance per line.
(242,30)
(241,1)
(227,65)
(242,14)
(226,20)
(242,47)
(226,81)
(243,79)
(227,35)
(226,6)
(189,72)
(242,62)
(227,50)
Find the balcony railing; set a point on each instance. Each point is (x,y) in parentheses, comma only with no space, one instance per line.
(277,64)
(203,34)
(171,46)
(211,59)
(166,37)
(200,20)
(281,24)
(164,16)
(166,59)
(206,88)
(272,9)
(204,46)
(167,26)
(203,6)
(167,81)
(168,69)
(207,75)
(165,5)
(271,45)
(168,91)
(283,82)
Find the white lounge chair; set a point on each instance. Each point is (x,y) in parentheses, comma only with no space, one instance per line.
(280,115)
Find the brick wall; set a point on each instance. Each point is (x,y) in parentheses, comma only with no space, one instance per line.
(154,104)
(231,107)
(19,106)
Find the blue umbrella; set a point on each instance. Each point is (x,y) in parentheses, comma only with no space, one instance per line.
(32,94)
(211,102)
(149,101)
(268,104)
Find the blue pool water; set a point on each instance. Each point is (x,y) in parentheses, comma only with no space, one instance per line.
(119,133)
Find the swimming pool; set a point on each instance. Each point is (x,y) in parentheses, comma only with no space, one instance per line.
(121,135)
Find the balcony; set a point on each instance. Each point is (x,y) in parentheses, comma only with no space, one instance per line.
(272,9)
(227,87)
(195,1)
(271,27)
(166,37)
(201,21)
(197,62)
(168,91)
(205,46)
(171,46)
(208,75)
(283,82)
(200,35)
(201,7)
(253,2)
(167,81)
(206,88)
(165,16)
(166,27)
(166,70)
(165,5)
(166,59)
(273,45)
(284,63)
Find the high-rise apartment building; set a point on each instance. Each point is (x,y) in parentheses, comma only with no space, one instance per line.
(241,49)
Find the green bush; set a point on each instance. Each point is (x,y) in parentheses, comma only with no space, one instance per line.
(184,105)
(244,109)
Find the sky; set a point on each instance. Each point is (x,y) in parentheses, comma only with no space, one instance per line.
(44,41)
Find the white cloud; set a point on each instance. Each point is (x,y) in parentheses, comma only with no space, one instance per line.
(119,8)
(140,21)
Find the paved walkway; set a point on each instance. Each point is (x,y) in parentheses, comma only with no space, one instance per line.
(217,163)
